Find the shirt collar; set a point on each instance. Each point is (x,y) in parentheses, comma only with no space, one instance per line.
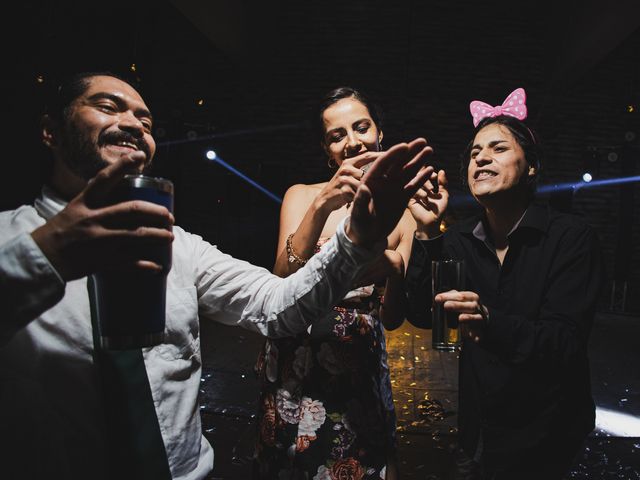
(535,217)
(49,204)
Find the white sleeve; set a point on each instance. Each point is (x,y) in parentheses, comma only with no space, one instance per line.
(29,285)
(235,292)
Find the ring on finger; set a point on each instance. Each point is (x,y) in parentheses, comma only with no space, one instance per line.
(482,312)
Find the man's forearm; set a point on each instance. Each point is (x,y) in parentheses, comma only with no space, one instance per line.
(29,285)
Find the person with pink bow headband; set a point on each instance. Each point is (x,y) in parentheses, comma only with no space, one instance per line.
(533,278)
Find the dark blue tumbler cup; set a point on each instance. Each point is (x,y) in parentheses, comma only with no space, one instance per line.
(130,305)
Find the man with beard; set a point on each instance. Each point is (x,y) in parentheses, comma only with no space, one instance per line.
(99,129)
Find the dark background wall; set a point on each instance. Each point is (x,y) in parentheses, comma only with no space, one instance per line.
(258,69)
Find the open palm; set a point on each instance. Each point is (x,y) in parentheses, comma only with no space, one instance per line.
(386,189)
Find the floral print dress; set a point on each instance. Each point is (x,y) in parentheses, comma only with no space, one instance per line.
(325,410)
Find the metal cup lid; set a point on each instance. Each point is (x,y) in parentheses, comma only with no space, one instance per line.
(144,181)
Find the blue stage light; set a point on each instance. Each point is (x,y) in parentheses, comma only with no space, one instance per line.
(605,182)
(463,200)
(211,155)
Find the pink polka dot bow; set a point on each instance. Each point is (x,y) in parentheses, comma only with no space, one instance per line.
(514,105)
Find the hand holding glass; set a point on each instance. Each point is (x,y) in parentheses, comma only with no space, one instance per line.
(130,305)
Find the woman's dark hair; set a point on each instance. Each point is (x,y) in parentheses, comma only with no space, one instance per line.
(346,92)
(525,137)
(60,100)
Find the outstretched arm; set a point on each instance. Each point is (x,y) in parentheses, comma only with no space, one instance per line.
(427,206)
(394,307)
(303,216)
(236,292)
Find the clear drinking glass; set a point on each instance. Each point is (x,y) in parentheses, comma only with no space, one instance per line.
(446,275)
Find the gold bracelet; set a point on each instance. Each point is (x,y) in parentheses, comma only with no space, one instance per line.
(292,256)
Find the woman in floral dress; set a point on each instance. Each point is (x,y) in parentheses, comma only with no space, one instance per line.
(326,410)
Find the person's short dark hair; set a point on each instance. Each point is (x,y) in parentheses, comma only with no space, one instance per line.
(524,136)
(70,88)
(338,94)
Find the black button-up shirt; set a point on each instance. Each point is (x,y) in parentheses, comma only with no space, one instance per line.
(527,380)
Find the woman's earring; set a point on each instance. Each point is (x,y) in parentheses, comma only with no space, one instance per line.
(331,163)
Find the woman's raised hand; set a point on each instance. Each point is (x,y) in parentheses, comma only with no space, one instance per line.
(385,190)
(428,205)
(342,187)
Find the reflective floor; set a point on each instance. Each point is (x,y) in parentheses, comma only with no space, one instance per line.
(425,393)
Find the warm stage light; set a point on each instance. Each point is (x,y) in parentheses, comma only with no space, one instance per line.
(587,177)
(211,155)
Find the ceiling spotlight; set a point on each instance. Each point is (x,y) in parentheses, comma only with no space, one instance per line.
(39,79)
(192,134)
(160,132)
(200,102)
(211,155)
(629,136)
(612,157)
(587,177)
